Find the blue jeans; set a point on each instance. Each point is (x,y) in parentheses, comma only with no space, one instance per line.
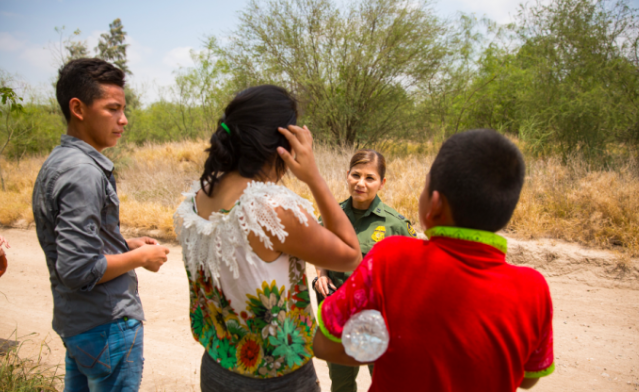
(105,358)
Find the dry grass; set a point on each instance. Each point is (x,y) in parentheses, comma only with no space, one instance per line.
(573,203)
(565,201)
(18,374)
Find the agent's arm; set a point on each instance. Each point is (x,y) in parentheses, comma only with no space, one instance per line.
(332,246)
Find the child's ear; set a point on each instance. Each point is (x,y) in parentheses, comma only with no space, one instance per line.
(436,208)
(440,213)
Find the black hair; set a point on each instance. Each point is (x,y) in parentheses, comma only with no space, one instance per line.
(252,118)
(481,173)
(81,78)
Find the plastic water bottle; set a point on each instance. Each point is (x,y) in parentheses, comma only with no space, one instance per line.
(365,336)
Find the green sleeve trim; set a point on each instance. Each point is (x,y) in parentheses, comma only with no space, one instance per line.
(460,233)
(322,327)
(541,373)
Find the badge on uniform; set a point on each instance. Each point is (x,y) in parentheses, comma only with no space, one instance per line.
(379,233)
(411,231)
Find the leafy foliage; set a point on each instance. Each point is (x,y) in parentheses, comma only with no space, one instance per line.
(565,79)
(354,70)
(111,46)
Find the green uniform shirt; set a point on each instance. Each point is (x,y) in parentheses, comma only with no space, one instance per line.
(378,222)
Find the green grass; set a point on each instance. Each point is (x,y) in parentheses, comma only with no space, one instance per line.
(19,374)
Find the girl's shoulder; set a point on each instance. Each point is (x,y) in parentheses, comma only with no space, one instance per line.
(209,242)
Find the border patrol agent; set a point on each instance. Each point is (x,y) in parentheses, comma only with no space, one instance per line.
(371,226)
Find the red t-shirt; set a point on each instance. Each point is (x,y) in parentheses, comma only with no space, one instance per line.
(459,317)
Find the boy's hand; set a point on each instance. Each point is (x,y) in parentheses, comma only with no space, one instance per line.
(154,256)
(322,285)
(135,243)
(303,164)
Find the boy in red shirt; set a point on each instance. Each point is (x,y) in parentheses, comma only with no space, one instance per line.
(459,317)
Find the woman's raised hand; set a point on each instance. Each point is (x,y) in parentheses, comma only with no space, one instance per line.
(302,162)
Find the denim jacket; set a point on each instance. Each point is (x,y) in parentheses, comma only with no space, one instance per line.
(77,216)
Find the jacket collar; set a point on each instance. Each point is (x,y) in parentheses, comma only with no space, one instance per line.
(376,207)
(460,233)
(102,161)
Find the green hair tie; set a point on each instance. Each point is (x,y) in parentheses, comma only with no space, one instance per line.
(226,128)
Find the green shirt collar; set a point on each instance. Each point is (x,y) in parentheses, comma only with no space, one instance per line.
(460,233)
(376,207)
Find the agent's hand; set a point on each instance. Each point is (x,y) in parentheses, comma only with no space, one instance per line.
(154,256)
(135,243)
(303,166)
(322,285)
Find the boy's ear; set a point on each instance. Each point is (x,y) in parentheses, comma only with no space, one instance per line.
(435,211)
(76,107)
(440,213)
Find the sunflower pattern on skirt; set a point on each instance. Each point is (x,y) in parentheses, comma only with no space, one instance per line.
(270,337)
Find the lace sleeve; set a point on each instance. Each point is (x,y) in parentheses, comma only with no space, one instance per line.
(208,242)
(257,210)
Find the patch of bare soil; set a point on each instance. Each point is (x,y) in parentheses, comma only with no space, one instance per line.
(595,294)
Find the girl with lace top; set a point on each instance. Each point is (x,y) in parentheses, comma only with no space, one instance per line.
(246,240)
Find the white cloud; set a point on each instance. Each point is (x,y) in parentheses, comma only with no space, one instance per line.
(38,57)
(178,57)
(92,40)
(9,43)
(137,53)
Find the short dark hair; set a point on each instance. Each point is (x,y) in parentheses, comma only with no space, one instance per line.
(481,173)
(81,78)
(252,139)
(365,156)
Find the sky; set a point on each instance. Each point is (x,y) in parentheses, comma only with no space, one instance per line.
(161,33)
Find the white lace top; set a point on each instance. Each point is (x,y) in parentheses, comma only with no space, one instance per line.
(253,317)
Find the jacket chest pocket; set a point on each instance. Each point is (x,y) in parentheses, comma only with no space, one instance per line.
(111,210)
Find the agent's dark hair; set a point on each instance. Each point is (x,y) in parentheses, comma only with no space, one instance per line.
(366,156)
(82,79)
(252,117)
(481,173)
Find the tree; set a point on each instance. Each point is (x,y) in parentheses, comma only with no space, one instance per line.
(69,48)
(13,105)
(111,46)
(570,82)
(354,70)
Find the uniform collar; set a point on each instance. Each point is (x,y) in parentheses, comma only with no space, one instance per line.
(101,160)
(460,233)
(376,207)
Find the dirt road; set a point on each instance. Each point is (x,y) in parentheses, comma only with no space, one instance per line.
(596,324)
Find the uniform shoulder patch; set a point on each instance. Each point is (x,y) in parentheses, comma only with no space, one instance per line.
(411,230)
